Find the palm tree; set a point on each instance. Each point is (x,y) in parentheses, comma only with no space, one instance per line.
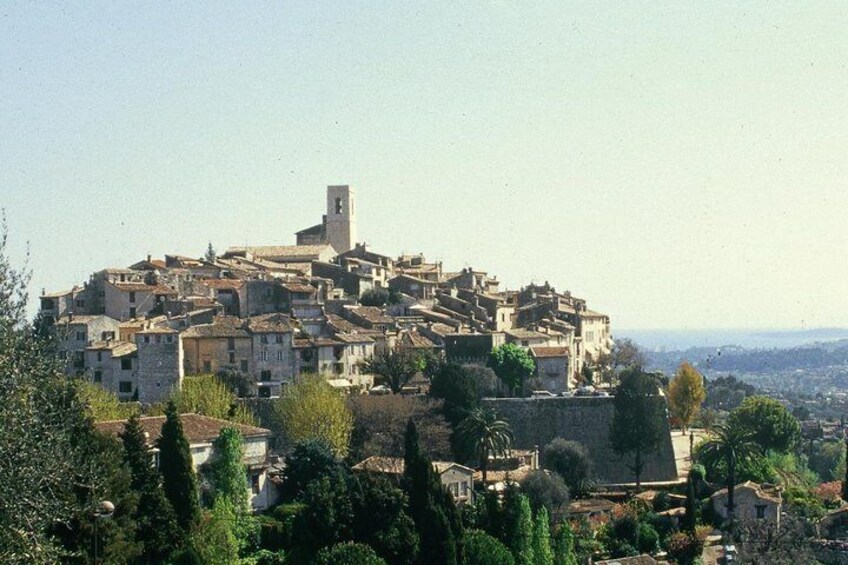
(483,434)
(735,444)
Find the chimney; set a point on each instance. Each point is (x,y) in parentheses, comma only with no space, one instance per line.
(148,257)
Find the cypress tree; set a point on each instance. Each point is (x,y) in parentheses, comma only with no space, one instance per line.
(154,514)
(227,473)
(428,504)
(518,526)
(564,554)
(542,553)
(689,519)
(178,479)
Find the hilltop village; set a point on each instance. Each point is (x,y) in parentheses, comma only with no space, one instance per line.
(323,305)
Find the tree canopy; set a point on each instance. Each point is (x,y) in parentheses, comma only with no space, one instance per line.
(175,463)
(686,393)
(513,365)
(312,409)
(393,367)
(639,418)
(571,461)
(773,427)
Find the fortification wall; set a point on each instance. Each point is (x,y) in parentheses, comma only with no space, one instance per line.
(537,421)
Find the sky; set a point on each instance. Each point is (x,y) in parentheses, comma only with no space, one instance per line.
(679,165)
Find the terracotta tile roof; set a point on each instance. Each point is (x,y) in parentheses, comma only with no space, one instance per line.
(76,319)
(313,230)
(233,284)
(300,288)
(59,294)
(158,330)
(396,465)
(340,324)
(223,326)
(118,348)
(416,340)
(353,338)
(592,314)
(540,352)
(303,343)
(282,251)
(197,428)
(373,314)
(270,323)
(519,333)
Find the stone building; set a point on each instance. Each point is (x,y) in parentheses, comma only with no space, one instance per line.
(338,226)
(457,479)
(751,502)
(74,333)
(160,364)
(113,364)
(553,369)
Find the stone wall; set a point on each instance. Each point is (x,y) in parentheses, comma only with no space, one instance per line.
(537,421)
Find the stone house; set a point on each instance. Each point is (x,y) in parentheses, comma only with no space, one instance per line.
(129,300)
(354,282)
(201,431)
(56,305)
(526,338)
(457,479)
(752,502)
(226,292)
(414,286)
(338,225)
(553,368)
(272,342)
(113,364)
(160,364)
(471,347)
(225,344)
(75,333)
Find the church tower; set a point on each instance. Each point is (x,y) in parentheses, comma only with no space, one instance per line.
(341,218)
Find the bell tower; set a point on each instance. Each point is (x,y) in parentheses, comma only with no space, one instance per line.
(341,218)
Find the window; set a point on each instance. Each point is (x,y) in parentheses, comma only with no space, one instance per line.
(126,364)
(207,366)
(454,489)
(306,354)
(464,488)
(232,358)
(279,355)
(761,511)
(263,355)
(338,205)
(244,365)
(169,339)
(80,303)
(158,338)
(47,304)
(132,297)
(98,376)
(132,312)
(80,336)
(265,375)
(278,338)
(107,335)
(99,356)
(263,338)
(254,483)
(231,344)
(590,336)
(125,387)
(146,339)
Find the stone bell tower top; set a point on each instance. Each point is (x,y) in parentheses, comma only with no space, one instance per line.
(341,218)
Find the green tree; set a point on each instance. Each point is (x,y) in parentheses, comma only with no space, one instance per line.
(564,545)
(484,435)
(226,472)
(639,418)
(213,538)
(826,460)
(513,365)
(381,520)
(154,516)
(309,460)
(429,505)
(571,461)
(312,409)
(393,367)
(210,256)
(483,549)
(208,395)
(39,411)
(327,515)
(178,479)
(453,384)
(350,554)
(542,553)
(736,445)
(623,355)
(773,426)
(689,518)
(102,405)
(545,490)
(686,393)
(518,526)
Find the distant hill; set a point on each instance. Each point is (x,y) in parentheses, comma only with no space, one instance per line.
(735,359)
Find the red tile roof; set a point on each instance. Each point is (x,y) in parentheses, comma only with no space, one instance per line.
(197,428)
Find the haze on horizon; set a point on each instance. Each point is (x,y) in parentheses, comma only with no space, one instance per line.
(678,165)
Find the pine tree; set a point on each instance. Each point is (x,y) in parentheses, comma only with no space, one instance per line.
(210,255)
(154,514)
(542,554)
(178,479)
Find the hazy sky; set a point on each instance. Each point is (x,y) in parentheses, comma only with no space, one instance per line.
(678,165)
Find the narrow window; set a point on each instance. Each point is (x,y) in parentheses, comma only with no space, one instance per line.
(132,297)
(132,312)
(338,205)
(244,365)
(126,365)
(98,376)
(125,387)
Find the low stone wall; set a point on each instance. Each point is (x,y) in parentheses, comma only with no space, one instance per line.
(537,421)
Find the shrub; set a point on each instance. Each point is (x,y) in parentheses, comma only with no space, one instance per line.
(483,549)
(350,554)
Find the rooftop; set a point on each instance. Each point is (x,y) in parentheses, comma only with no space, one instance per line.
(197,428)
